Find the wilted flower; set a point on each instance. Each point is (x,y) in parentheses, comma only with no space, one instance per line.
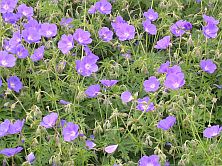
(66,43)
(9,152)
(105,34)
(49,120)
(111,148)
(25,10)
(14,83)
(208,66)
(212,131)
(38,54)
(103,6)
(144,104)
(108,83)
(151,15)
(167,123)
(48,30)
(152,160)
(82,37)
(7,60)
(151,85)
(126,97)
(16,127)
(4,126)
(163,43)
(149,27)
(70,131)
(30,158)
(8,6)
(90,144)
(92,90)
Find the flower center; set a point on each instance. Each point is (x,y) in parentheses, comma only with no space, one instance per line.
(152,86)
(73,133)
(69,44)
(149,164)
(48,33)
(4,62)
(6,7)
(206,68)
(12,85)
(30,37)
(176,85)
(87,66)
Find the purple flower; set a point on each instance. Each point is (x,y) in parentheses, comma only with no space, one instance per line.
(210,20)
(0,82)
(210,31)
(66,22)
(105,34)
(174,70)
(164,67)
(149,27)
(4,126)
(14,83)
(174,81)
(151,85)
(31,35)
(117,23)
(111,148)
(208,66)
(63,102)
(144,104)
(180,27)
(126,97)
(90,144)
(163,43)
(103,6)
(82,37)
(16,39)
(70,132)
(38,54)
(92,9)
(49,120)
(16,127)
(7,6)
(108,83)
(126,32)
(167,123)
(30,158)
(152,160)
(87,65)
(66,43)
(11,18)
(7,60)
(48,30)
(32,23)
(21,52)
(25,10)
(151,15)
(212,131)
(9,152)
(92,90)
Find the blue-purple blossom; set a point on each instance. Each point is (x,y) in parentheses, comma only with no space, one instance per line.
(180,27)
(70,131)
(7,60)
(210,31)
(126,97)
(111,148)
(92,9)
(109,83)
(38,54)
(210,20)
(82,37)
(90,144)
(7,6)
(212,131)
(4,126)
(152,84)
(164,67)
(151,15)
(208,66)
(30,157)
(118,22)
(11,18)
(105,34)
(31,35)
(103,6)
(48,30)
(152,160)
(0,82)
(149,27)
(174,81)
(66,43)
(63,102)
(9,152)
(21,52)
(25,10)
(14,83)
(66,22)
(126,32)
(49,120)
(92,90)
(144,104)
(16,39)
(16,127)
(163,43)
(166,123)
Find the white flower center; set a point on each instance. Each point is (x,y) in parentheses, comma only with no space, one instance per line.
(4,63)
(87,66)
(12,85)
(206,68)
(126,34)
(6,7)
(48,33)
(149,164)
(30,37)
(69,44)
(152,86)
(73,133)
(176,85)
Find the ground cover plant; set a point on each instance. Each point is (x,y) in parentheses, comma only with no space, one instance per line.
(111,83)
